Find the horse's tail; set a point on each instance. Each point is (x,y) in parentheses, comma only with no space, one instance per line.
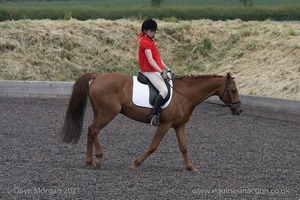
(73,123)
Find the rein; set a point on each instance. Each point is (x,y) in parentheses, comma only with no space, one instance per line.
(167,82)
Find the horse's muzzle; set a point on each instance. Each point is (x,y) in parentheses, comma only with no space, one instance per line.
(236,110)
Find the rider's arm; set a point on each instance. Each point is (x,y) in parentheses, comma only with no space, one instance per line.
(151,60)
(165,66)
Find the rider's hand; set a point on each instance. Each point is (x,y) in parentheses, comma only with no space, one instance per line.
(164,76)
(169,73)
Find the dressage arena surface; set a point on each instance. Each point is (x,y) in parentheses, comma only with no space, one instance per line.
(238,157)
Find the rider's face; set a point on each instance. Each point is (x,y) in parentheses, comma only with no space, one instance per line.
(150,33)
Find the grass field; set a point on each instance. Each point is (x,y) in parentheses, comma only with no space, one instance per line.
(140,9)
(130,3)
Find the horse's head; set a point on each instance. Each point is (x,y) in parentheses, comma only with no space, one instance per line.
(230,95)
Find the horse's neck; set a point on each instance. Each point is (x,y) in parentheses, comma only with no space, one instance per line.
(201,88)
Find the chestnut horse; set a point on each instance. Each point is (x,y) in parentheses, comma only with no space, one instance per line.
(111,94)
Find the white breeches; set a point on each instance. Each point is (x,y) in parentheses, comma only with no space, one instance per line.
(158,82)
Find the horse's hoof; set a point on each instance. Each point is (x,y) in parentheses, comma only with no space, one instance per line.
(94,164)
(91,165)
(98,162)
(133,166)
(194,170)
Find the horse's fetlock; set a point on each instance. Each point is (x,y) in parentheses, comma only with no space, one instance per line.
(136,163)
(89,162)
(151,150)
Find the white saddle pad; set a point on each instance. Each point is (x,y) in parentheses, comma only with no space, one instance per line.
(140,94)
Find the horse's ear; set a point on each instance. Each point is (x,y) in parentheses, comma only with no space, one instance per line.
(229,77)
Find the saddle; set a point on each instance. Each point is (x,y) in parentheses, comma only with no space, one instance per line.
(144,92)
(153,91)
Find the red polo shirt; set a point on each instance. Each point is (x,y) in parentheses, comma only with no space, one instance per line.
(148,43)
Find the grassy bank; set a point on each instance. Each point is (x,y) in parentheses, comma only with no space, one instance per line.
(144,3)
(263,56)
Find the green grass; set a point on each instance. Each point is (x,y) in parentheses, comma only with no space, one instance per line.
(141,9)
(134,3)
(278,13)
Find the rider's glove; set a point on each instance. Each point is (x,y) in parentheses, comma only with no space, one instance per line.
(170,74)
(164,76)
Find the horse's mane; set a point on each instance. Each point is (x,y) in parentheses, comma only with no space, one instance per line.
(192,76)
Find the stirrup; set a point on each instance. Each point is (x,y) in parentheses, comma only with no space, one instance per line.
(154,120)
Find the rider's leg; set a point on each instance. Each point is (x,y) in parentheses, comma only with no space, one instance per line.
(154,116)
(158,82)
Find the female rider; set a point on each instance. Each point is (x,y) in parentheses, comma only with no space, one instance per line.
(152,66)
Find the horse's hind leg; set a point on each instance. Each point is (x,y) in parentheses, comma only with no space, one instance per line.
(99,152)
(100,121)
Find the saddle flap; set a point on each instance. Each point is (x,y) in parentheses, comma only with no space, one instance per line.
(143,94)
(142,78)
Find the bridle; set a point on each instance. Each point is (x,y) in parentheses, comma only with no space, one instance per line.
(229,99)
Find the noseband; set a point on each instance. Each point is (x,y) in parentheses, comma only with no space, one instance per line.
(229,99)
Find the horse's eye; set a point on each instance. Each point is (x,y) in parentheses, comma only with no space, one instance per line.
(234,91)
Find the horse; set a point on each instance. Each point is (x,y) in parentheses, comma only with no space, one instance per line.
(111,94)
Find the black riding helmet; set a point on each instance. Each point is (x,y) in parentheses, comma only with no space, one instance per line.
(149,24)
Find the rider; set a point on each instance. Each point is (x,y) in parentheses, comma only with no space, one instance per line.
(152,66)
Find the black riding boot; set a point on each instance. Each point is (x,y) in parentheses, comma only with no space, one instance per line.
(156,110)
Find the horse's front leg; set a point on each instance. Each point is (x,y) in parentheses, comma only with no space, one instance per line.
(180,134)
(159,135)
